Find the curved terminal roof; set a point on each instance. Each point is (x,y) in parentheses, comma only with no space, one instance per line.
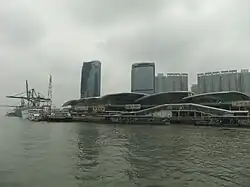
(121,98)
(82,101)
(115,99)
(216,97)
(163,98)
(70,102)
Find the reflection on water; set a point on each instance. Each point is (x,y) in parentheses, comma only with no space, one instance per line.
(88,152)
(57,154)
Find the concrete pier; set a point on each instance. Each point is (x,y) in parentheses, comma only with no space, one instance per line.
(192,114)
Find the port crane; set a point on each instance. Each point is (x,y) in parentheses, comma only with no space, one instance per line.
(33,98)
(30,99)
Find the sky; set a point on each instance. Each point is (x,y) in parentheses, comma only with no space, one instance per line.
(43,37)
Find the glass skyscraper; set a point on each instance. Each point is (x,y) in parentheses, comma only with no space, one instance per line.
(91,79)
(143,78)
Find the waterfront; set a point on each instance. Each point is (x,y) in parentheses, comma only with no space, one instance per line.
(84,154)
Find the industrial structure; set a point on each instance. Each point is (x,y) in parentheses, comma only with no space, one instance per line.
(91,79)
(143,78)
(31,99)
(224,81)
(171,82)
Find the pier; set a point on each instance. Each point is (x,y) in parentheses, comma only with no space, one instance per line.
(212,109)
(167,114)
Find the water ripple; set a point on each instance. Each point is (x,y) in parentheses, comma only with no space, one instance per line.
(57,154)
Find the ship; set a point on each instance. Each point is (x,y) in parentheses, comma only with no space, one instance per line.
(17,110)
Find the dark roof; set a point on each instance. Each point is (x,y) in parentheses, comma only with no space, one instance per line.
(116,98)
(125,94)
(143,64)
(70,102)
(228,95)
(121,98)
(82,100)
(163,97)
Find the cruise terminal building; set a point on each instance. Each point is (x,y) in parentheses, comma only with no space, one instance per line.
(131,102)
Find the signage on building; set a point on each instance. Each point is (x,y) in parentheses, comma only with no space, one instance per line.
(133,106)
(163,114)
(241,103)
(98,108)
(84,108)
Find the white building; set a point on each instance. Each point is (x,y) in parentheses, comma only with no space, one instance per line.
(224,81)
(160,83)
(201,83)
(244,81)
(216,76)
(171,82)
(176,82)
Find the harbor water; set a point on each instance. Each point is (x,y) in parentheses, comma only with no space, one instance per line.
(84,154)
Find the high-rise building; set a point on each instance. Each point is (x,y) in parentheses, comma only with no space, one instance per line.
(224,81)
(91,79)
(244,81)
(233,80)
(143,78)
(184,82)
(160,83)
(216,80)
(209,81)
(201,83)
(171,82)
(176,82)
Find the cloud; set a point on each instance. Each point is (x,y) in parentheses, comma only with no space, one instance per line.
(20,28)
(203,36)
(107,13)
(42,37)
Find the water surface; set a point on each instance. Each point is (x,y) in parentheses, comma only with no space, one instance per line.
(68,154)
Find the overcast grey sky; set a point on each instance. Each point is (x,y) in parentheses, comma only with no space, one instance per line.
(41,37)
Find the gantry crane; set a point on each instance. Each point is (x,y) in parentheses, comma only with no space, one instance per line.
(33,98)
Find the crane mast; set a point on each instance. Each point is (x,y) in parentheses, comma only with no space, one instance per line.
(50,91)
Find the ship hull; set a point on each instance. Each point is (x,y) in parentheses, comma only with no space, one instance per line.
(25,114)
(18,112)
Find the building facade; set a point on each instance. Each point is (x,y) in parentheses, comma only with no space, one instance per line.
(176,82)
(143,78)
(91,79)
(244,81)
(224,81)
(160,83)
(171,82)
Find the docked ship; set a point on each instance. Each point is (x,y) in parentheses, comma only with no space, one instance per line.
(17,110)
